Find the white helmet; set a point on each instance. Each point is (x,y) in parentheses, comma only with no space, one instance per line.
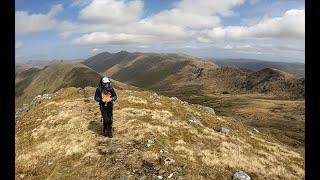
(105,80)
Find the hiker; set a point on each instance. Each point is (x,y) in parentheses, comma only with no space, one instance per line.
(105,95)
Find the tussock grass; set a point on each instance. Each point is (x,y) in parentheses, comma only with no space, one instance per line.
(61,139)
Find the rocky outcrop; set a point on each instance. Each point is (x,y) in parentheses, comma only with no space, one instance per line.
(35,101)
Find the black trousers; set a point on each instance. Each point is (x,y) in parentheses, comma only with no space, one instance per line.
(107,115)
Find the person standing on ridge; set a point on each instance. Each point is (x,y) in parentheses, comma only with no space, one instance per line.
(105,95)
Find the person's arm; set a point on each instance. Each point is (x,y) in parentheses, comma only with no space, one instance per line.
(113,95)
(97,96)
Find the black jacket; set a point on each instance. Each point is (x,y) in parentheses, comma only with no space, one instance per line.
(100,89)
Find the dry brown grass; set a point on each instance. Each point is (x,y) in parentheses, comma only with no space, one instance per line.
(66,133)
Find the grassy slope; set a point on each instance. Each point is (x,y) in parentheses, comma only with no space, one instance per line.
(284,119)
(53,77)
(65,131)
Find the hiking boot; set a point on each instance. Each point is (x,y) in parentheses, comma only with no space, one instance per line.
(105,132)
(110,133)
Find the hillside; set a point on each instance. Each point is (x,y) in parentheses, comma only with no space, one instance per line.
(24,72)
(264,100)
(297,69)
(56,75)
(172,72)
(155,137)
(276,81)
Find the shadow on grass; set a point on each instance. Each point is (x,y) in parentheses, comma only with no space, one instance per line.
(95,126)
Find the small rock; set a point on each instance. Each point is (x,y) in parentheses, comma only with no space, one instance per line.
(224,130)
(210,110)
(170,175)
(240,175)
(195,121)
(169,161)
(175,98)
(163,151)
(50,162)
(16,117)
(143,177)
(25,108)
(150,142)
(112,149)
(184,102)
(160,177)
(123,178)
(161,172)
(256,130)
(22,176)
(184,166)
(130,143)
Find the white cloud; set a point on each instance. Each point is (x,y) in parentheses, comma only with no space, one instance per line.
(112,11)
(105,38)
(228,46)
(185,19)
(208,7)
(167,26)
(137,33)
(119,23)
(290,26)
(196,14)
(250,48)
(18,44)
(28,23)
(95,50)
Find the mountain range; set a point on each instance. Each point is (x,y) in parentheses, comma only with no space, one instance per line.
(172,72)
(295,68)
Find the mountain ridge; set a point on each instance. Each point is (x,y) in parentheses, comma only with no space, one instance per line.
(52,77)
(295,68)
(156,71)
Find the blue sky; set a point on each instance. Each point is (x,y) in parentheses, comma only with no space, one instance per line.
(77,29)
